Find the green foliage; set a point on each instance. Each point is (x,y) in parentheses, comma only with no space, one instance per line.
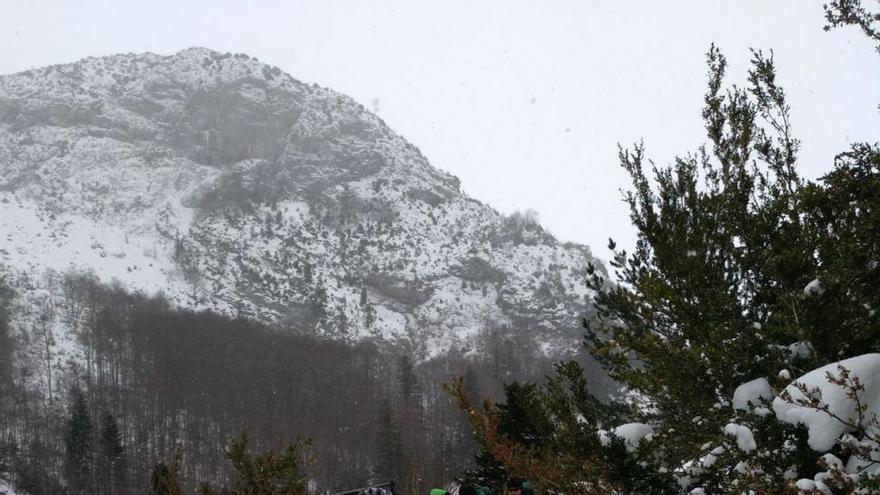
(165,478)
(263,474)
(714,293)
(522,418)
(852,13)
(33,478)
(842,213)
(720,262)
(738,263)
(553,429)
(268,473)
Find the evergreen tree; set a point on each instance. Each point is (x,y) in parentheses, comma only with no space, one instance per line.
(716,293)
(471,384)
(267,473)
(852,13)
(165,478)
(411,395)
(6,351)
(741,269)
(842,213)
(369,315)
(112,465)
(78,443)
(547,435)
(522,419)
(410,389)
(34,473)
(468,444)
(391,459)
(412,430)
(714,289)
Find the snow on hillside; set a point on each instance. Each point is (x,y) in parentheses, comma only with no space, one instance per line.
(226,184)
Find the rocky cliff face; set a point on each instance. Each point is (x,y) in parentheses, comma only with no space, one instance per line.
(228,185)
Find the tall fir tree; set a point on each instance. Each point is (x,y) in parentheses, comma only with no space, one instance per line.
(412,421)
(522,418)
(741,269)
(79,445)
(112,463)
(410,390)
(7,369)
(266,473)
(713,290)
(391,461)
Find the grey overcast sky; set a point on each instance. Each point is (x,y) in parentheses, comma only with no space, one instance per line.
(524,101)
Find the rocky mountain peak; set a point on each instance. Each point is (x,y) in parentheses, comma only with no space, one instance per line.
(227,184)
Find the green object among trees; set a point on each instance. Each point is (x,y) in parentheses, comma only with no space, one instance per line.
(267,473)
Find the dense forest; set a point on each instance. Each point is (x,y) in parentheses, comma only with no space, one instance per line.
(153,379)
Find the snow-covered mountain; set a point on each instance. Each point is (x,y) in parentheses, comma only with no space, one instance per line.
(226,184)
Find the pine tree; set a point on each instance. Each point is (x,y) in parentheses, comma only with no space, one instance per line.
(390,457)
(741,269)
(78,442)
(471,384)
(521,419)
(266,473)
(369,315)
(411,395)
(410,389)
(165,478)
(545,434)
(112,465)
(852,13)
(412,421)
(6,350)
